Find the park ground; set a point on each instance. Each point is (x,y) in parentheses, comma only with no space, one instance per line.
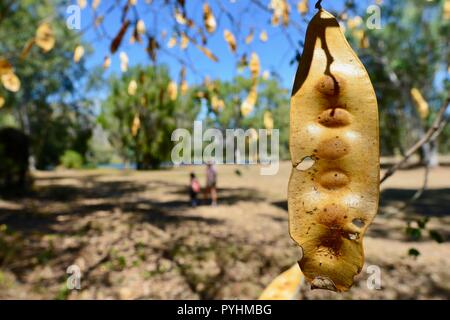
(135,236)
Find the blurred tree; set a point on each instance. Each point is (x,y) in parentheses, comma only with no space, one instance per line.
(225,104)
(407,59)
(412,40)
(50,105)
(143,108)
(71,160)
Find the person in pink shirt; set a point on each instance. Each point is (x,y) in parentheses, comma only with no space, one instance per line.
(194,189)
(211,183)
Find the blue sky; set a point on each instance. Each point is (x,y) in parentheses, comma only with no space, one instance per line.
(275,54)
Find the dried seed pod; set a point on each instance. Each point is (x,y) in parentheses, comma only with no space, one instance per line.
(172,90)
(132,87)
(208,53)
(208,18)
(95,4)
(106,62)
(230,39)
(123,61)
(115,44)
(136,125)
(184,42)
(45,37)
(303,7)
(140,27)
(285,286)
(78,53)
(10,81)
(255,66)
(268,120)
(249,38)
(5,66)
(334,121)
(263,36)
(420,103)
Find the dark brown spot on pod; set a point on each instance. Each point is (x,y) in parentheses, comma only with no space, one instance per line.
(332,217)
(332,240)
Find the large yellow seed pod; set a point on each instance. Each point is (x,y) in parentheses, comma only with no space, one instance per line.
(334,121)
(285,286)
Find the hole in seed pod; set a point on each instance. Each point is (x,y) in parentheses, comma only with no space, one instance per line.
(358,222)
(305,164)
(353,236)
(323,283)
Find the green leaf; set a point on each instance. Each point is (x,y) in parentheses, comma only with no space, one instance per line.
(413,233)
(423,223)
(413,252)
(436,236)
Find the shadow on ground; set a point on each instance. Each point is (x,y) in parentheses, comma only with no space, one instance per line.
(51,206)
(59,219)
(434,203)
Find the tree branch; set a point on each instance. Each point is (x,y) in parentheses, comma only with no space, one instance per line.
(429,136)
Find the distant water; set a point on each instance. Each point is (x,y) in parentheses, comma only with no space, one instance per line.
(117,166)
(129,166)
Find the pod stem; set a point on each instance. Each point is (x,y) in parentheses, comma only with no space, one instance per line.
(319,5)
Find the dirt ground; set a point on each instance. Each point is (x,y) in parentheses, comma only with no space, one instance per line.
(134,236)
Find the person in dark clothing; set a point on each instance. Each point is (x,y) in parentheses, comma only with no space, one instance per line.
(14,153)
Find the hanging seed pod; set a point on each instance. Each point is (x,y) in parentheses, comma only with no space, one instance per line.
(334,123)
(45,38)
(208,18)
(420,103)
(285,286)
(231,40)
(106,62)
(78,53)
(255,66)
(123,62)
(136,125)
(172,90)
(132,87)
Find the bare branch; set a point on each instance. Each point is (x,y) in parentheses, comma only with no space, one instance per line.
(429,135)
(420,191)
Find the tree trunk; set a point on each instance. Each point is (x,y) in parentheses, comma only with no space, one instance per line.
(434,155)
(429,154)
